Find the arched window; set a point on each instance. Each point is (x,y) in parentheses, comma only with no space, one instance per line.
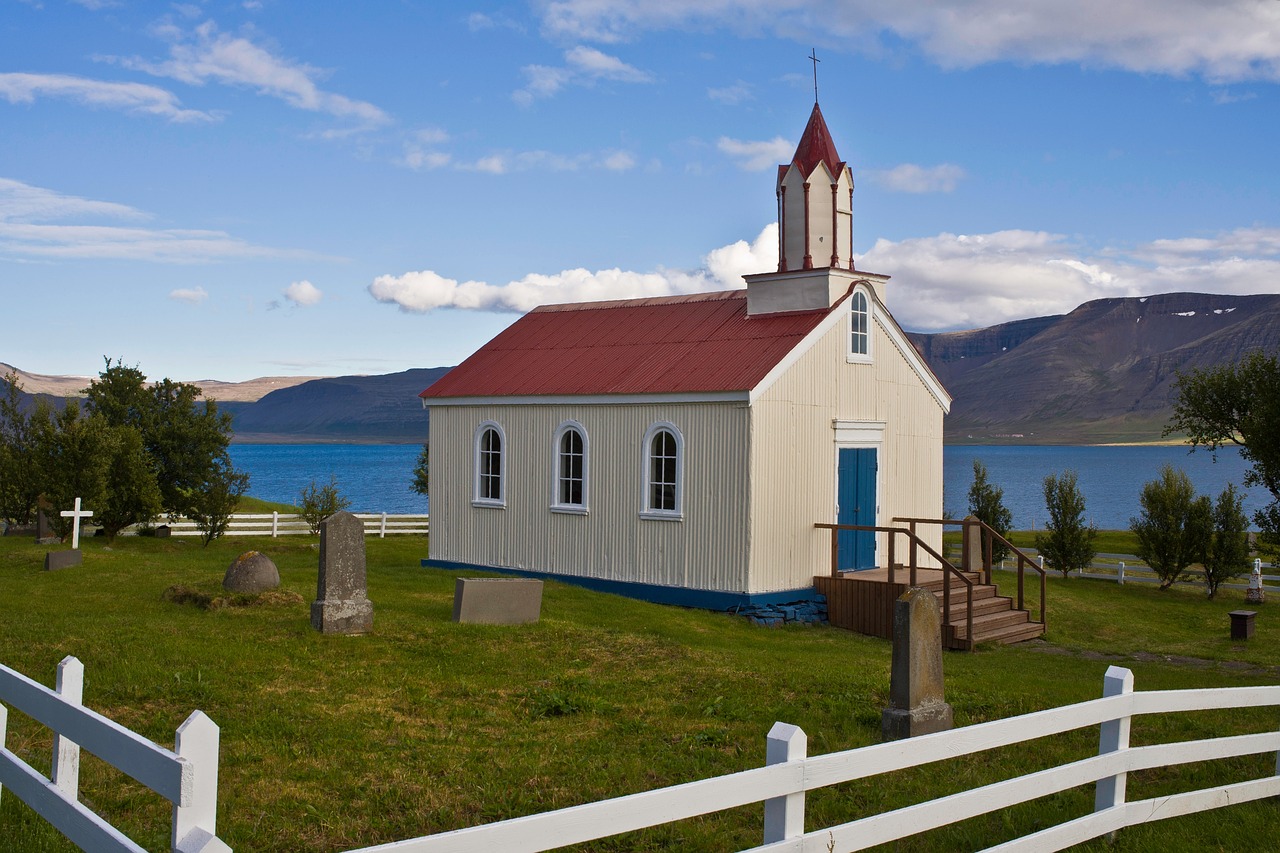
(490,466)
(859,326)
(572,466)
(663,472)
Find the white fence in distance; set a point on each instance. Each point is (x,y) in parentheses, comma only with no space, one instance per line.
(790,772)
(187,776)
(275,524)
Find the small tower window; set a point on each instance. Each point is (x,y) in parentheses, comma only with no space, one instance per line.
(570,478)
(859,326)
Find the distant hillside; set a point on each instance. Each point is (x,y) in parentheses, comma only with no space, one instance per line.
(1102,373)
(344,408)
(72,386)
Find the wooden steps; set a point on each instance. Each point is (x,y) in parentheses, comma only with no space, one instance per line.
(863,602)
(995,620)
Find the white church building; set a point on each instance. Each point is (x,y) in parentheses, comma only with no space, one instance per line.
(681,449)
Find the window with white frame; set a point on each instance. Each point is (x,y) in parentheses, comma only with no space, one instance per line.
(572,464)
(490,465)
(859,326)
(663,472)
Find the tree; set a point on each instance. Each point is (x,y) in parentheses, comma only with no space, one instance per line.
(1227,555)
(20,473)
(986,503)
(132,495)
(1175,526)
(319,502)
(185,438)
(421,471)
(1067,544)
(70,451)
(1237,404)
(211,503)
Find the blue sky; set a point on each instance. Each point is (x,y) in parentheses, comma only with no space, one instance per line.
(237,189)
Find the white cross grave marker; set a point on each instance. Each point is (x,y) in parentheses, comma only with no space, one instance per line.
(75,515)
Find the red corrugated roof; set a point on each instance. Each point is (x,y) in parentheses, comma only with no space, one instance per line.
(678,344)
(816,146)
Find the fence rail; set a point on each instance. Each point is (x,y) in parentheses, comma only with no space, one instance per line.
(1129,568)
(187,776)
(789,773)
(276,524)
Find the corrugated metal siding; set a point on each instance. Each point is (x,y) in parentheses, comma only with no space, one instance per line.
(707,550)
(793,454)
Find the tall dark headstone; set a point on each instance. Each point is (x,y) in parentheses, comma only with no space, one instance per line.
(342,604)
(44,530)
(916,703)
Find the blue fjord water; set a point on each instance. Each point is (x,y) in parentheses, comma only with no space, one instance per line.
(376,477)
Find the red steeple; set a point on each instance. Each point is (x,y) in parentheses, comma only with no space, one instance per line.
(816,146)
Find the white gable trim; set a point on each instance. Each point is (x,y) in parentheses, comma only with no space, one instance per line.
(591,399)
(884,320)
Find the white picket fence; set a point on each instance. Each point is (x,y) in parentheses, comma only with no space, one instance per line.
(789,773)
(187,776)
(289,524)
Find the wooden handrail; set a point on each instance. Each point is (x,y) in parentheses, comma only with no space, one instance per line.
(915,541)
(992,537)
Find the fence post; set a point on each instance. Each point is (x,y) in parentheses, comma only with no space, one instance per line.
(382,532)
(275,523)
(195,826)
(1113,737)
(784,816)
(1120,574)
(4,730)
(66,754)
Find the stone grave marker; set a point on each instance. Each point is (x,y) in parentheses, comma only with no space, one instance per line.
(342,604)
(497,601)
(252,571)
(44,530)
(54,560)
(1255,594)
(916,703)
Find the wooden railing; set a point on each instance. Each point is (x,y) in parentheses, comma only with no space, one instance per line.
(915,544)
(990,536)
(790,772)
(187,776)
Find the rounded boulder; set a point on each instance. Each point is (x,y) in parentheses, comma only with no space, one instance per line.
(252,571)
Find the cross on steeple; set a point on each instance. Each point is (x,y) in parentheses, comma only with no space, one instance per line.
(813,56)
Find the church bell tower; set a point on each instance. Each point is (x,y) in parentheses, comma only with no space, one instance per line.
(815,230)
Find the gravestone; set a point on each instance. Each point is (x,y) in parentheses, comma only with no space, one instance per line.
(916,704)
(54,560)
(342,604)
(1242,624)
(44,530)
(252,571)
(497,601)
(164,531)
(972,545)
(76,515)
(1255,594)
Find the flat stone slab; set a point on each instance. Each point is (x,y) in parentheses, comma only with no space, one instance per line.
(497,601)
(54,560)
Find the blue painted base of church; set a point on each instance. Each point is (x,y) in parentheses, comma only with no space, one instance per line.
(805,604)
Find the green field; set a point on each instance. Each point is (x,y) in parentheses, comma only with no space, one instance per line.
(330,743)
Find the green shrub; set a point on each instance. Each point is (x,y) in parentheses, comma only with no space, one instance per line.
(319,502)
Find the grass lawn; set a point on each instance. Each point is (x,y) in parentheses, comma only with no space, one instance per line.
(330,743)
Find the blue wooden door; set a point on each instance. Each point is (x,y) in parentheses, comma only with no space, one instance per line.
(856,495)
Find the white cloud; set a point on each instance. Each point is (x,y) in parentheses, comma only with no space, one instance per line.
(25,203)
(421,149)
(910,178)
(1226,40)
(619,161)
(583,66)
(303,293)
(426,290)
(944,282)
(24,233)
(753,156)
(190,295)
(208,55)
(734,94)
(134,98)
(548,161)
